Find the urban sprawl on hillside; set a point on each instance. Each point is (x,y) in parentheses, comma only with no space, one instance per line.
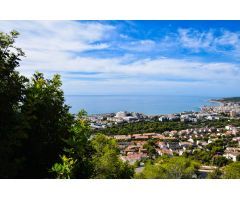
(133,147)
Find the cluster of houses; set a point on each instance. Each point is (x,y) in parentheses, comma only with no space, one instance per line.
(133,148)
(190,116)
(232,153)
(100,121)
(231,109)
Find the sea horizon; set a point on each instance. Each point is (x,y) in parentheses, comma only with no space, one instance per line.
(147,104)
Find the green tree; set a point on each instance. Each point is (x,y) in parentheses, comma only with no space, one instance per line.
(90,156)
(232,171)
(238,158)
(63,170)
(220,161)
(12,91)
(106,161)
(78,148)
(47,123)
(203,156)
(170,168)
(151,150)
(216,174)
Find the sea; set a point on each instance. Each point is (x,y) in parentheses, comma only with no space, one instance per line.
(147,104)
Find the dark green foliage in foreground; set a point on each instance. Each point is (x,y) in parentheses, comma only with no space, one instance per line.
(12,91)
(170,168)
(90,158)
(33,117)
(39,138)
(47,124)
(77,152)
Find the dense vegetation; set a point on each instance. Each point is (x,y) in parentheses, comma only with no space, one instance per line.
(231,171)
(211,154)
(180,167)
(85,157)
(170,168)
(39,138)
(12,91)
(229,99)
(143,127)
(157,126)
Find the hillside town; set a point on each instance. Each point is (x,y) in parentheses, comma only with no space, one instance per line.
(134,148)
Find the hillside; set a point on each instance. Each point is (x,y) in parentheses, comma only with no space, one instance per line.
(228,99)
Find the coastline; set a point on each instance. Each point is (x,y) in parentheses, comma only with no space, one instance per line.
(226,100)
(216,101)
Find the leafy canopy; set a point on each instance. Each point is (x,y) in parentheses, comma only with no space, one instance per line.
(12,93)
(232,171)
(170,168)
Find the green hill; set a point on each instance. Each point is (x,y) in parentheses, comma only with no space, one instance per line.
(228,99)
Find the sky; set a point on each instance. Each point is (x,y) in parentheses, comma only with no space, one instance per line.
(197,58)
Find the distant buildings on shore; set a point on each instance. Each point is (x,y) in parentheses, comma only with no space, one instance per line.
(100,121)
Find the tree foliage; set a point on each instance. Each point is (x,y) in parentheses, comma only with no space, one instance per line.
(39,138)
(170,168)
(33,117)
(65,169)
(143,127)
(47,121)
(232,171)
(220,161)
(106,161)
(216,174)
(157,126)
(12,93)
(77,147)
(94,156)
(151,148)
(211,154)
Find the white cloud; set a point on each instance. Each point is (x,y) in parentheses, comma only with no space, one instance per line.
(228,38)
(55,47)
(51,37)
(157,76)
(209,41)
(160,68)
(194,39)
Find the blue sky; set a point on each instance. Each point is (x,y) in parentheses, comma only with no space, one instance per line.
(199,58)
